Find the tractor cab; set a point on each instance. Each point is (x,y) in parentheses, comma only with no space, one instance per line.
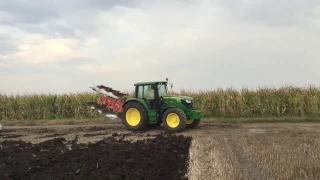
(151,92)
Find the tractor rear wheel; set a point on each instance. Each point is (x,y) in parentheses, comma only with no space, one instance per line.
(192,123)
(174,120)
(135,116)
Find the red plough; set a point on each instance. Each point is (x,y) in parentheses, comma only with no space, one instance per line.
(111,101)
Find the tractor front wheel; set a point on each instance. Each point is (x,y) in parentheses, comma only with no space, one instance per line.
(135,116)
(174,120)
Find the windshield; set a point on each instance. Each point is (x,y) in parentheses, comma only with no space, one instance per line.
(162,90)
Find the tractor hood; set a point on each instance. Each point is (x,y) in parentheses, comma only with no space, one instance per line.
(178,97)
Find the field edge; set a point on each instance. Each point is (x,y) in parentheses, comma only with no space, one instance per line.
(97,121)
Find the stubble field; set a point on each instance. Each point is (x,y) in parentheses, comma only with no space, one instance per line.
(212,151)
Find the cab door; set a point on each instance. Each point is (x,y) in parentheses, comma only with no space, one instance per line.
(147,93)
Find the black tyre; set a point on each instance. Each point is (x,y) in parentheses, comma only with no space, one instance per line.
(174,120)
(192,123)
(135,116)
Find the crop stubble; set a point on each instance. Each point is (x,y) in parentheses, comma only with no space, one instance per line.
(285,154)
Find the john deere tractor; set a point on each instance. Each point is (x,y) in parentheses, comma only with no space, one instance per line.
(151,106)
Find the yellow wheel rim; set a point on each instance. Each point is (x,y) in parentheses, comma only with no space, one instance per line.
(173,120)
(133,117)
(190,121)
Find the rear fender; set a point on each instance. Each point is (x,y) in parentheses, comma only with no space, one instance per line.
(142,102)
(152,114)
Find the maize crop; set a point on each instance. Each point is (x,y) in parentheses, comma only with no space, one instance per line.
(228,103)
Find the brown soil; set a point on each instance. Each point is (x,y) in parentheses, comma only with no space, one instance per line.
(163,157)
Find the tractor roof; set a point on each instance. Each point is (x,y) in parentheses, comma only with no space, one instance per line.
(150,83)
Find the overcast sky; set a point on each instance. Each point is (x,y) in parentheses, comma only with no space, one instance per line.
(67,46)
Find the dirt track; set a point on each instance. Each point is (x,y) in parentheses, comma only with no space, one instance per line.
(228,139)
(91,133)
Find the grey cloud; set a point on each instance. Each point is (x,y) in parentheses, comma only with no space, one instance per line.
(37,11)
(49,29)
(7,45)
(26,11)
(273,12)
(108,4)
(200,69)
(61,68)
(63,31)
(44,79)
(249,70)
(43,17)
(77,61)
(281,13)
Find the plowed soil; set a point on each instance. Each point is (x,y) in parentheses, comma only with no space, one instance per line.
(161,157)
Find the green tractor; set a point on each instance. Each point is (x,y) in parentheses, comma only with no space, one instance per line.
(151,106)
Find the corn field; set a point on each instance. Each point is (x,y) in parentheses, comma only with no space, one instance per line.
(287,101)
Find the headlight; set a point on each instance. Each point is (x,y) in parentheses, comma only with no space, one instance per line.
(188,101)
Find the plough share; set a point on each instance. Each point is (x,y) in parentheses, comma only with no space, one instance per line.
(111,101)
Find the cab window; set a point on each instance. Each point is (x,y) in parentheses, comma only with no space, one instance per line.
(148,92)
(140,91)
(162,90)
